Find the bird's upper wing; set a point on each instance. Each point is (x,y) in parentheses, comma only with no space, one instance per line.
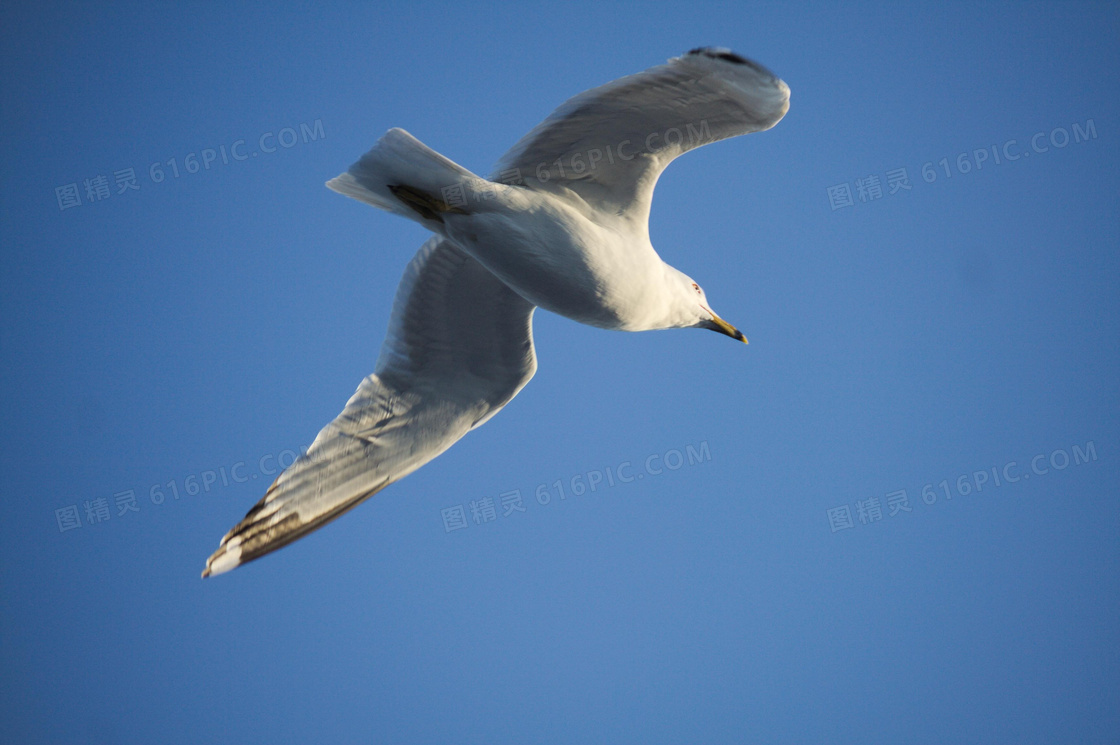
(608,145)
(459,347)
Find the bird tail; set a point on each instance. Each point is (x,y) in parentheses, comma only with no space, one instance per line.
(402,175)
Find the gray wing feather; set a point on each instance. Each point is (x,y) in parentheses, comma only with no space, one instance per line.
(459,348)
(608,145)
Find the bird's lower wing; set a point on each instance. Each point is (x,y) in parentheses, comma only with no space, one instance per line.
(609,144)
(459,347)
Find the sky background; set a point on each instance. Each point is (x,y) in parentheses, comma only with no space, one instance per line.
(204,327)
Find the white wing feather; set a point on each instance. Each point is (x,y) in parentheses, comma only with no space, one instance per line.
(608,145)
(459,347)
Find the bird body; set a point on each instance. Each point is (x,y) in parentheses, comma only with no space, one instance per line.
(557,253)
(598,273)
(562,226)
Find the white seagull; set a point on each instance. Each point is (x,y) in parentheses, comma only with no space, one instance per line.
(563,224)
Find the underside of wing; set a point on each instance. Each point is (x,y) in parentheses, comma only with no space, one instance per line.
(608,145)
(459,347)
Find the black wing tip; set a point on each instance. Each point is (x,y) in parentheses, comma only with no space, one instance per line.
(725,54)
(721,53)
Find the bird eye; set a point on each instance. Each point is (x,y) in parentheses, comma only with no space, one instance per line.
(696,287)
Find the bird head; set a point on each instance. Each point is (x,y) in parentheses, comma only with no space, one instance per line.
(694,311)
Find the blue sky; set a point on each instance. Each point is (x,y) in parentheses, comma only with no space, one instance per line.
(927,335)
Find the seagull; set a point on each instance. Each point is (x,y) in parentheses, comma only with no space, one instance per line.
(562,224)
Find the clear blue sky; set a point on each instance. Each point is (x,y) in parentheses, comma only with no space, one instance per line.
(194,330)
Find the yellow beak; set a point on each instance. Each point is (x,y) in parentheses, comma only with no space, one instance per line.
(722,326)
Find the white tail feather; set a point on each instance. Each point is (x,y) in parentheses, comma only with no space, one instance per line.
(400,160)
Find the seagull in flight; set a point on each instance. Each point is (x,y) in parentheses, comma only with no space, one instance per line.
(562,224)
